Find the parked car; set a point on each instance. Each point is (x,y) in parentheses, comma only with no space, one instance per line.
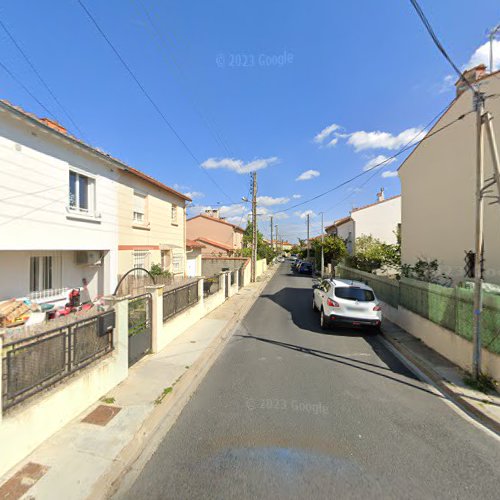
(305,268)
(295,264)
(346,302)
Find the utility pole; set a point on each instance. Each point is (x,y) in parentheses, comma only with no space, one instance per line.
(272,246)
(491,36)
(478,279)
(308,238)
(253,263)
(276,235)
(322,245)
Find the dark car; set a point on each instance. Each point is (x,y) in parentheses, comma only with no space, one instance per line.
(305,268)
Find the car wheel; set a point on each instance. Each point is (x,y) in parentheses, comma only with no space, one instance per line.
(375,330)
(323,321)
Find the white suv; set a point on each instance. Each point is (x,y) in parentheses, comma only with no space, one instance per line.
(346,302)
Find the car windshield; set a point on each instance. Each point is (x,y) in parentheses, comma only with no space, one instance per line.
(353,293)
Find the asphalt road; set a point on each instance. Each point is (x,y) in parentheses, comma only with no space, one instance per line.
(289,411)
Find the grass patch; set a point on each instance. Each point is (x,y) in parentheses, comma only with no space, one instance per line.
(484,383)
(164,393)
(108,401)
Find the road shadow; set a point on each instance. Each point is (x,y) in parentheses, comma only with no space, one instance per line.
(298,302)
(395,365)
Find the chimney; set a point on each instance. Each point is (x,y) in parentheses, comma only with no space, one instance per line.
(380,195)
(54,125)
(472,76)
(213,212)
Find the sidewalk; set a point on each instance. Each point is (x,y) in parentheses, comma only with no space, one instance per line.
(84,458)
(448,377)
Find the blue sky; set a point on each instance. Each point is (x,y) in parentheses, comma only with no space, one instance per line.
(245,82)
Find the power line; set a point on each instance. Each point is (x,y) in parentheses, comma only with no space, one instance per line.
(401,151)
(26,89)
(163,45)
(148,97)
(37,73)
(438,44)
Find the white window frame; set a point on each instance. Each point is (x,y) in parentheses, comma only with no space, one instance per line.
(140,259)
(174,214)
(177,263)
(140,218)
(91,193)
(47,275)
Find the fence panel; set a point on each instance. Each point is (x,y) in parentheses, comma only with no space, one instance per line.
(35,363)
(179,299)
(211,285)
(386,289)
(241,277)
(434,302)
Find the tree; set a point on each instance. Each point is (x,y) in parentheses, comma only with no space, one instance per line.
(264,250)
(371,253)
(334,249)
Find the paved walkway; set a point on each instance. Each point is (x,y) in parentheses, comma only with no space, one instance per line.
(75,460)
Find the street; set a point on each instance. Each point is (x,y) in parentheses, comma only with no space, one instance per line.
(288,410)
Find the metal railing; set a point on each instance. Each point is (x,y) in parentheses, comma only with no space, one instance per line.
(179,299)
(33,364)
(211,285)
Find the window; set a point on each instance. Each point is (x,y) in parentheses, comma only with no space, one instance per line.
(174,214)
(43,273)
(141,258)
(139,208)
(81,192)
(353,293)
(177,263)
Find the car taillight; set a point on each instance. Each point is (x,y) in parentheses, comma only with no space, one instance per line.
(377,308)
(332,303)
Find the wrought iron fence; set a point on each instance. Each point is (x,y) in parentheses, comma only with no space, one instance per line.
(211,285)
(35,363)
(179,299)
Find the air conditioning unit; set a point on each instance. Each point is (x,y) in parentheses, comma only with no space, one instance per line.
(88,258)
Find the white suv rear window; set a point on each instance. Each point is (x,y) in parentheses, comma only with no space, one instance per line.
(353,293)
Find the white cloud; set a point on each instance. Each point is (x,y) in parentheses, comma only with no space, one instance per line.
(382,140)
(239,166)
(304,214)
(390,173)
(333,142)
(296,196)
(355,190)
(482,56)
(226,211)
(269,201)
(378,162)
(307,175)
(280,216)
(447,84)
(326,132)
(194,194)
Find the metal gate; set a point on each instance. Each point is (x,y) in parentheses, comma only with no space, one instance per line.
(227,285)
(139,327)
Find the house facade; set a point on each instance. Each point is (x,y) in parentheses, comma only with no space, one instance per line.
(152,224)
(67,213)
(218,237)
(58,211)
(380,220)
(438,182)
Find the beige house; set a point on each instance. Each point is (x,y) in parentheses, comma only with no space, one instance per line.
(438,184)
(380,220)
(219,237)
(152,224)
(193,254)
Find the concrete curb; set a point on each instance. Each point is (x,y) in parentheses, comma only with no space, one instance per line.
(136,453)
(439,382)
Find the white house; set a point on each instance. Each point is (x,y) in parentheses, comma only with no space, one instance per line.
(69,217)
(380,220)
